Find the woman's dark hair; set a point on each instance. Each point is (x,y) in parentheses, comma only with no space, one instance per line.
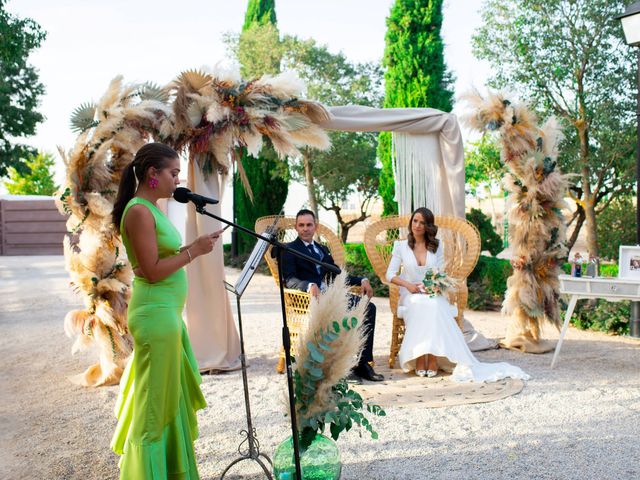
(430,230)
(154,155)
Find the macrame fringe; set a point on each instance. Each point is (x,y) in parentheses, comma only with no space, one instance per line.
(416,161)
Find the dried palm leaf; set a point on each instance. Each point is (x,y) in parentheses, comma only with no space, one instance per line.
(83,118)
(152,91)
(193,80)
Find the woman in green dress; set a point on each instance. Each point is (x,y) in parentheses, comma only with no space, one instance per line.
(160,387)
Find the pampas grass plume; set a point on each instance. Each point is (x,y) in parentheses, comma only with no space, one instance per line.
(332,306)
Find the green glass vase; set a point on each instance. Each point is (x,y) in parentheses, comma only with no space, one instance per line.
(321,461)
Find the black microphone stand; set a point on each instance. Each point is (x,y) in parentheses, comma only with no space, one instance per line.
(286,340)
(252,450)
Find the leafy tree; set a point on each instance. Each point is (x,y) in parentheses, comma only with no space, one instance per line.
(38,178)
(350,166)
(489,239)
(483,168)
(615,226)
(20,88)
(416,74)
(259,51)
(569,57)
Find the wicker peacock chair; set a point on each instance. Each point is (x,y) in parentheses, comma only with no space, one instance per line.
(297,302)
(461,249)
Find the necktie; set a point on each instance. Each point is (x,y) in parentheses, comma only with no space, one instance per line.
(314,254)
(312,251)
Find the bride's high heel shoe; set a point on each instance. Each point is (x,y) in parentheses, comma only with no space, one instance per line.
(421,373)
(431,373)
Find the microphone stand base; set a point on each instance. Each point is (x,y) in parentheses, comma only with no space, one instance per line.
(253,454)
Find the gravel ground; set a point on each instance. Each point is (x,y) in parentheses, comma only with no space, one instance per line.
(578,421)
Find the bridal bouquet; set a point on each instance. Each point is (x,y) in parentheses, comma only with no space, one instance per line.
(438,283)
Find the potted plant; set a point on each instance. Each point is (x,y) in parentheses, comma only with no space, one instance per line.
(326,352)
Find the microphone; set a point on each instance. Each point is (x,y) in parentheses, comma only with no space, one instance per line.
(184,195)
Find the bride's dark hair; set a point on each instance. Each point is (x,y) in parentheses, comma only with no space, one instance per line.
(430,230)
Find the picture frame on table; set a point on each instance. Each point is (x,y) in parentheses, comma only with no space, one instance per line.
(629,261)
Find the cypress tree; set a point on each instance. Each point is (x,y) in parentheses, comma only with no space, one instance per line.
(267,174)
(259,13)
(415,73)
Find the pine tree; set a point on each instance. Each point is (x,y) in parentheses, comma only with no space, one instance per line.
(259,53)
(415,76)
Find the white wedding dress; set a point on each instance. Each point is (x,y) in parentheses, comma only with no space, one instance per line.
(431,326)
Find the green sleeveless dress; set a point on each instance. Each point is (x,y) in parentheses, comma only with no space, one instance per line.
(160,387)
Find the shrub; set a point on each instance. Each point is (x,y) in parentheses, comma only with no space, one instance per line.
(602,316)
(488,283)
(489,239)
(357,264)
(495,270)
(481,297)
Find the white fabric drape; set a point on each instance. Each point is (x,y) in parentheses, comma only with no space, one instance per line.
(442,127)
(212,330)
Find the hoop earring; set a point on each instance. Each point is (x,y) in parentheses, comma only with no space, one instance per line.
(153,182)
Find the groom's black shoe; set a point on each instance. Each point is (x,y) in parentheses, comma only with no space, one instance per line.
(366,372)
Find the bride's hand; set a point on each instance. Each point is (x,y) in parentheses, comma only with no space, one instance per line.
(414,288)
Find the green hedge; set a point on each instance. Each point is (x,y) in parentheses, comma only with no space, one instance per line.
(606,269)
(489,240)
(602,316)
(488,283)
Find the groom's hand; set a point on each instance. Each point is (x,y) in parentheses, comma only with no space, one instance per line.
(366,288)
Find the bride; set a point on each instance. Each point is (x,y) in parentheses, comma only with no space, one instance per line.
(431,329)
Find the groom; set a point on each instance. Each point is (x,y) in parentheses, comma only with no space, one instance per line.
(300,274)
